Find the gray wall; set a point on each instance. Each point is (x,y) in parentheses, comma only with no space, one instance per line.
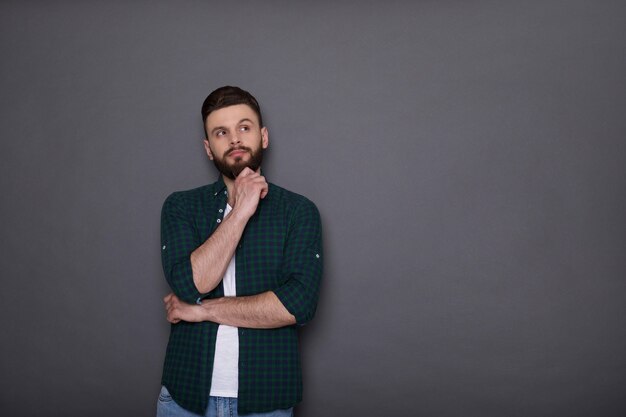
(467,158)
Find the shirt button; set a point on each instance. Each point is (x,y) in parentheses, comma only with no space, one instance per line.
(219,220)
(220,210)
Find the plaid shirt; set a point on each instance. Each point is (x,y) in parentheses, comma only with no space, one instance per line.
(280,250)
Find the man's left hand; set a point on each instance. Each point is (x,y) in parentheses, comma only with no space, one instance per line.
(180,311)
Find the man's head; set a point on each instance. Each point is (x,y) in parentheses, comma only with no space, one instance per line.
(229,96)
(235,135)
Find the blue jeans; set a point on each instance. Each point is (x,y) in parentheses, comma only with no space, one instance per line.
(218,407)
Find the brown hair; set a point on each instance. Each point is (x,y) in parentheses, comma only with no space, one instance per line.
(228,96)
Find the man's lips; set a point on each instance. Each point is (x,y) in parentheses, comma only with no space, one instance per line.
(236,153)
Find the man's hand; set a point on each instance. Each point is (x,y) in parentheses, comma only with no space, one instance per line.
(180,311)
(249,188)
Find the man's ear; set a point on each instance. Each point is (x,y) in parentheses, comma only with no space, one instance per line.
(265,137)
(207,148)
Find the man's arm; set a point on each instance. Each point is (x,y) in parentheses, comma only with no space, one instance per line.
(302,263)
(194,268)
(293,302)
(210,260)
(261,311)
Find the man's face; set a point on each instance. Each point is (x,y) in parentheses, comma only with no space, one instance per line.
(235,139)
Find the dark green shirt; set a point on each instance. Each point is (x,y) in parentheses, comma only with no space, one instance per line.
(281,251)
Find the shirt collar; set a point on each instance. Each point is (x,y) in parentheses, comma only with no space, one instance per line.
(220,187)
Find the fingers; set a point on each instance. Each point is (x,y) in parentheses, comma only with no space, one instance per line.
(245,172)
(171,301)
(172,318)
(252,180)
(171,308)
(169,298)
(247,175)
(249,188)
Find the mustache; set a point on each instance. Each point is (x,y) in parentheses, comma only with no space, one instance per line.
(237,148)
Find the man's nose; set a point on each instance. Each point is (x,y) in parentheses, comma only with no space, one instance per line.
(234,138)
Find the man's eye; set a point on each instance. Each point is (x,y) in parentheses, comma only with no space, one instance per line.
(220,133)
(244,128)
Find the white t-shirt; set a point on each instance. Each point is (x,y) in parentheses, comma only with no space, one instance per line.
(225,380)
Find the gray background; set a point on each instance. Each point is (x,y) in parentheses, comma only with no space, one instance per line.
(467,158)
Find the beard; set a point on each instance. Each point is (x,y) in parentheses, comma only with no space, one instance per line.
(233,170)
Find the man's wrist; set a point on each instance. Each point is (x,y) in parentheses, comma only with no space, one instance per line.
(206,310)
(238,216)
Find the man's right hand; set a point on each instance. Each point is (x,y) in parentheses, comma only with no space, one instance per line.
(249,188)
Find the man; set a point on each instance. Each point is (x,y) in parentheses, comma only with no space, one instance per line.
(243,259)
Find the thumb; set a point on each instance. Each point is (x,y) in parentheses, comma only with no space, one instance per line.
(245,172)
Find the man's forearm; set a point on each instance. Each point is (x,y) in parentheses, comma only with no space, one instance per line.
(210,260)
(261,311)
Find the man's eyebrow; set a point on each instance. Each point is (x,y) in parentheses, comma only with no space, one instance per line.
(245,120)
(217,128)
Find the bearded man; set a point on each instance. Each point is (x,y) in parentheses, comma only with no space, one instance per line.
(243,258)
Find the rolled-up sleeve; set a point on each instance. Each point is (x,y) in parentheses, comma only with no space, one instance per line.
(178,239)
(302,263)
